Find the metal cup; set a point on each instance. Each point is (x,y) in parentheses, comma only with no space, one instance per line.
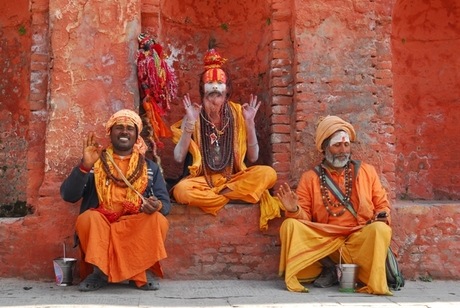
(63,269)
(348,276)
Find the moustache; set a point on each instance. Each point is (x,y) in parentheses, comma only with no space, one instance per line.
(214,93)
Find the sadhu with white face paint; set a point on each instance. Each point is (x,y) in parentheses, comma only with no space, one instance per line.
(335,208)
(217,136)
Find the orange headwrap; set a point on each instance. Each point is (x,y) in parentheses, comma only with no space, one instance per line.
(128,117)
(328,126)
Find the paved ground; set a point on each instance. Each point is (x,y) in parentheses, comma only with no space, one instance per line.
(222,293)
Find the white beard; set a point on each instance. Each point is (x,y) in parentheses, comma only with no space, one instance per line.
(336,161)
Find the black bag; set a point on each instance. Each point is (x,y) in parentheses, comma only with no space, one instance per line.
(395,279)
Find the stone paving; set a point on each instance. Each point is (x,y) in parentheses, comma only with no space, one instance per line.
(222,293)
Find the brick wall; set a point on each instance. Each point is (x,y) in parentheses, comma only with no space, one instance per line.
(341,66)
(302,59)
(40,65)
(282,71)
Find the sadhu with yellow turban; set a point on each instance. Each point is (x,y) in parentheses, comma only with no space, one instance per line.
(122,227)
(218,135)
(335,212)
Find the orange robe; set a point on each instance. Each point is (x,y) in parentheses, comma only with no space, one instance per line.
(312,233)
(127,247)
(124,249)
(248,184)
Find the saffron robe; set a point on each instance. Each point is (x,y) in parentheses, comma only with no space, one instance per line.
(312,233)
(248,184)
(126,248)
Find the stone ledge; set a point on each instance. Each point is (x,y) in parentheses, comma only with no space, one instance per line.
(231,246)
(227,246)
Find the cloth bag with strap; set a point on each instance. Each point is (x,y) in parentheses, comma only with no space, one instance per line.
(395,279)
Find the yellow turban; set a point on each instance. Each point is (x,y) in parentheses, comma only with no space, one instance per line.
(128,117)
(328,126)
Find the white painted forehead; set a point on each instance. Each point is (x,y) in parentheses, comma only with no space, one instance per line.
(339,137)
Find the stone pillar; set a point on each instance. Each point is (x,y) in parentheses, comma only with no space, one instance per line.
(93,75)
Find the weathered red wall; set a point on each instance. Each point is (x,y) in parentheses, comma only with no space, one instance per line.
(426,66)
(241,30)
(92,74)
(15,42)
(343,68)
(303,59)
(425,235)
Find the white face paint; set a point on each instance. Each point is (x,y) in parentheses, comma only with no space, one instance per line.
(336,158)
(339,137)
(215,87)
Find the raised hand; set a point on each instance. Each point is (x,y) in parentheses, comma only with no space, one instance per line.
(192,110)
(91,150)
(250,110)
(288,198)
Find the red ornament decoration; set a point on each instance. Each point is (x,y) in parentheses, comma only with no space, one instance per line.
(157,88)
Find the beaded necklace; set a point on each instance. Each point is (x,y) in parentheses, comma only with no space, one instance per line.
(119,181)
(217,145)
(215,129)
(325,193)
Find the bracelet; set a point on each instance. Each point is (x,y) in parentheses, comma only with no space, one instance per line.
(188,130)
(253,145)
(191,122)
(83,168)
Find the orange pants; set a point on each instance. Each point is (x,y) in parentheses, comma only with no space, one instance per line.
(124,249)
(247,185)
(303,246)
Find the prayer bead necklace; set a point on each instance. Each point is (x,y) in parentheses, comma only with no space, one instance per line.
(217,145)
(216,131)
(325,193)
(119,181)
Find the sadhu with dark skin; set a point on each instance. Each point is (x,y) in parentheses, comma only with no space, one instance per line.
(122,227)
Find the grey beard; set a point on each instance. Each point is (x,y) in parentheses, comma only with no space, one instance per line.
(336,162)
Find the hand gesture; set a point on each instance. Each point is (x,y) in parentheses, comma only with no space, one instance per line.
(250,110)
(151,205)
(288,198)
(91,150)
(192,110)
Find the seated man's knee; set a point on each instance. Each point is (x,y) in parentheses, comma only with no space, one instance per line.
(289,224)
(180,192)
(87,216)
(269,174)
(381,229)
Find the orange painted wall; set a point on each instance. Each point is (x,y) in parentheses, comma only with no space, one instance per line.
(426,66)
(15,43)
(302,58)
(241,30)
